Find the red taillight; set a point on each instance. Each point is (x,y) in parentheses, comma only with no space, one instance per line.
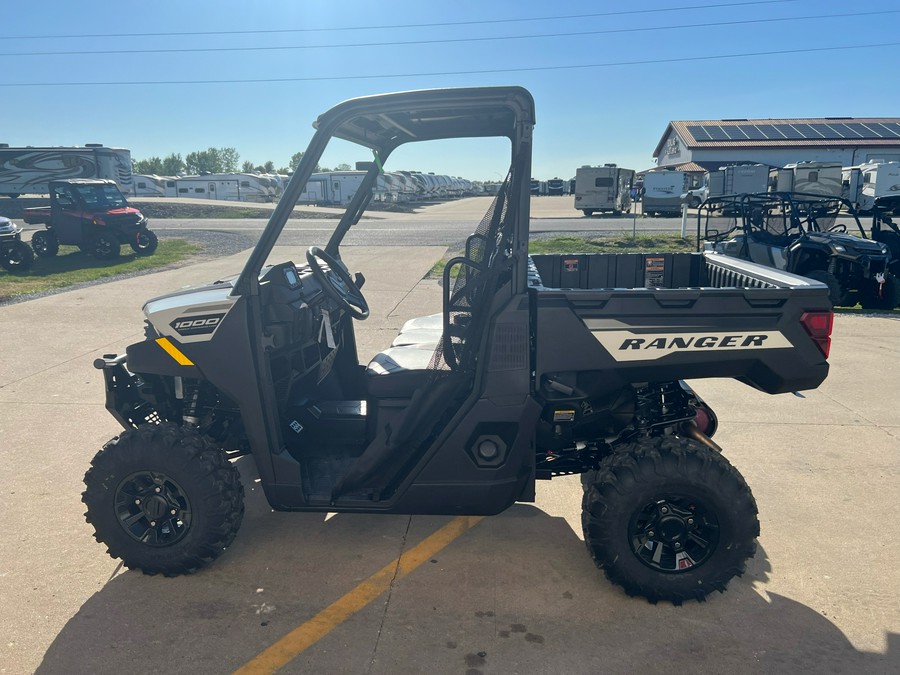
(819,325)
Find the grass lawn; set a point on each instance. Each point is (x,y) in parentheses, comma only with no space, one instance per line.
(624,243)
(71,267)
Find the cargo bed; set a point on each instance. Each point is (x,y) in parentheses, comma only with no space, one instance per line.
(655,317)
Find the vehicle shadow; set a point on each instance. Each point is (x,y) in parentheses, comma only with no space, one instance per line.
(517,593)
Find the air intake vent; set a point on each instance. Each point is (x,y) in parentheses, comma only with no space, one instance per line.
(510,348)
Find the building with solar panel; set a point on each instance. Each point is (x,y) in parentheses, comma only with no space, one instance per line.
(697,145)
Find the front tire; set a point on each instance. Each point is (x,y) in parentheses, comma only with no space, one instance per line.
(145,242)
(887,297)
(45,244)
(163,499)
(17,257)
(669,519)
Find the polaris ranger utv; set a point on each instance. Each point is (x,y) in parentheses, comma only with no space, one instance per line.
(93,215)
(804,234)
(534,368)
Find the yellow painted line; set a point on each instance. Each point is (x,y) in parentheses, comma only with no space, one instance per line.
(174,352)
(304,636)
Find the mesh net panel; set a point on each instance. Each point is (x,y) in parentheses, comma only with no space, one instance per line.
(472,290)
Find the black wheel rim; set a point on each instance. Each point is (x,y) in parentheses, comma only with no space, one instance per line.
(674,534)
(153,509)
(143,241)
(104,247)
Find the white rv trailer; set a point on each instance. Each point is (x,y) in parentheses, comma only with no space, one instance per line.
(240,187)
(865,183)
(151,185)
(29,170)
(738,179)
(662,192)
(819,178)
(603,188)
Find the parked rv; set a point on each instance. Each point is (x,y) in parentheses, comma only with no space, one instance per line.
(729,180)
(239,187)
(151,185)
(862,185)
(556,187)
(818,178)
(603,188)
(662,192)
(29,170)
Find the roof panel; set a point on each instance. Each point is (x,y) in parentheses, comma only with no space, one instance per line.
(827,131)
(770,132)
(866,130)
(753,133)
(789,131)
(893,128)
(806,131)
(716,133)
(846,130)
(699,133)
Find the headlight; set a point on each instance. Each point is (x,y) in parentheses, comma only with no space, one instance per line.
(839,248)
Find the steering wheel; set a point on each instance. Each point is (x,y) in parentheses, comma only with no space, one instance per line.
(337,283)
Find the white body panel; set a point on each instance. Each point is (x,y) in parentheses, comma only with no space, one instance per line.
(663,190)
(603,188)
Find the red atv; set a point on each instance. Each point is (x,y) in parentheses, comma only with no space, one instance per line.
(92,215)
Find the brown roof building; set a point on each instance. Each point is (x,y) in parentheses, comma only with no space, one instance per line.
(776,142)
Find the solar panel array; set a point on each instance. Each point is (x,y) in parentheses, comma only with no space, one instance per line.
(830,131)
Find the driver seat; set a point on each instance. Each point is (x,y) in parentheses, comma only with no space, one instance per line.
(419,351)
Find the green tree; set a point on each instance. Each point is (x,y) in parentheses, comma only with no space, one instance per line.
(247,166)
(295,160)
(153,165)
(172,165)
(269,167)
(342,167)
(213,160)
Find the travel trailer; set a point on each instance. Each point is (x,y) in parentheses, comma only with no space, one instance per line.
(862,185)
(151,185)
(240,187)
(662,192)
(818,178)
(730,180)
(603,188)
(29,170)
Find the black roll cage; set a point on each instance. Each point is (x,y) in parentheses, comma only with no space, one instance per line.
(382,124)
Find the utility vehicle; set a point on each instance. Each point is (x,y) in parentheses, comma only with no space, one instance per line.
(534,368)
(15,254)
(805,234)
(91,214)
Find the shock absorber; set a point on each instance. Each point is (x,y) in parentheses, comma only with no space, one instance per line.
(191,405)
(660,404)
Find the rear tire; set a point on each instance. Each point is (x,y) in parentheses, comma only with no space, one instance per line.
(105,246)
(669,519)
(45,244)
(835,291)
(17,257)
(163,499)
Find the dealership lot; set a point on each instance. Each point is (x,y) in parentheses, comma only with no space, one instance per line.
(515,593)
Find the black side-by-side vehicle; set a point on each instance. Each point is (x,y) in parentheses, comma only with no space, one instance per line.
(533,368)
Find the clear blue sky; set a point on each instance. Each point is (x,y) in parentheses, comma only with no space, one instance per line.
(585,115)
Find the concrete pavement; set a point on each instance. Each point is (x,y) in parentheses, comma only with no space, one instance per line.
(516,594)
